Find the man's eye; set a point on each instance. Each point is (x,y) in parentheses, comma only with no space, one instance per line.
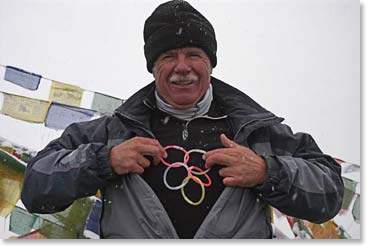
(165,57)
(195,55)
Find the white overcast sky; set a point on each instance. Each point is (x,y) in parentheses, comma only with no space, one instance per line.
(298,58)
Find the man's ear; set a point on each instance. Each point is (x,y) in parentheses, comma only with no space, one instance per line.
(154,70)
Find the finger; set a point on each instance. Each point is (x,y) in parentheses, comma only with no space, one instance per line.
(228,172)
(231,181)
(221,159)
(136,169)
(226,141)
(156,160)
(216,151)
(149,150)
(151,142)
(143,162)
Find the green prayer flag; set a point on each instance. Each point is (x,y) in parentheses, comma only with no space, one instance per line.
(68,223)
(104,103)
(349,191)
(22,222)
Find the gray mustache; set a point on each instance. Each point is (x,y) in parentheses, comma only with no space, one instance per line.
(187,77)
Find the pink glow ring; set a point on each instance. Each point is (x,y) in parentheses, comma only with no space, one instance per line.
(186,158)
(190,171)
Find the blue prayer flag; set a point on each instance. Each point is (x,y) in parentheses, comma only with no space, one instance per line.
(59,116)
(22,78)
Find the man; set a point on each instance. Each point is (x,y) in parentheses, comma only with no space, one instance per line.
(250,159)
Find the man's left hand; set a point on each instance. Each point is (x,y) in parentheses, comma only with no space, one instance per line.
(241,166)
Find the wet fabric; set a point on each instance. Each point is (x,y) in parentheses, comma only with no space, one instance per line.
(65,94)
(22,78)
(301,181)
(59,116)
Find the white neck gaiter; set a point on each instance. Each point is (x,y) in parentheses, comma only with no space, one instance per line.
(200,109)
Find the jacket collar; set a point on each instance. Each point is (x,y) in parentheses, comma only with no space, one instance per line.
(241,109)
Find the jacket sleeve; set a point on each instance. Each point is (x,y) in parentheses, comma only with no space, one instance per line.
(301,181)
(70,167)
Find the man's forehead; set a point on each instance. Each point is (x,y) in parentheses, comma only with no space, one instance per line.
(185,49)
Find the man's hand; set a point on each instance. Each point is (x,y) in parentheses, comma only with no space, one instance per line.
(241,166)
(129,156)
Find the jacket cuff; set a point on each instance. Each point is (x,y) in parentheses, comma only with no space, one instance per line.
(272,175)
(104,168)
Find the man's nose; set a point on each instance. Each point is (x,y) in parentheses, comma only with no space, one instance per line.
(182,65)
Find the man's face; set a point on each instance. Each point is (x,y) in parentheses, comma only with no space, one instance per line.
(182,76)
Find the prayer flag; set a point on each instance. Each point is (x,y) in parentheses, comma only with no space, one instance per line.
(65,94)
(33,235)
(22,78)
(25,108)
(11,179)
(104,103)
(349,190)
(22,222)
(91,229)
(327,230)
(59,116)
(8,149)
(356,210)
(68,223)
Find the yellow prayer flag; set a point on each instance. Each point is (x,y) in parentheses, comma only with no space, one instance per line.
(11,180)
(65,94)
(327,230)
(8,149)
(25,108)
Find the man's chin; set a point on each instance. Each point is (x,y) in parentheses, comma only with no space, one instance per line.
(184,104)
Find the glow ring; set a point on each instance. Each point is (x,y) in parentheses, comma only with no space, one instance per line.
(202,191)
(186,159)
(176,164)
(197,151)
(202,173)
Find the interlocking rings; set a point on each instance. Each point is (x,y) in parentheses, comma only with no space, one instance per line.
(202,191)
(186,157)
(174,165)
(191,171)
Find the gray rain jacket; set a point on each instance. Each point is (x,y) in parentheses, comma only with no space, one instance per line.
(301,181)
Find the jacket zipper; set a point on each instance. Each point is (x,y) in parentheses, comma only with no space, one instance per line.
(185,132)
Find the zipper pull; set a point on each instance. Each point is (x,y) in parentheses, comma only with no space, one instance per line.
(185,132)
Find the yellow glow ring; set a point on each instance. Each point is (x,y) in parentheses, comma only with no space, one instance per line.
(186,180)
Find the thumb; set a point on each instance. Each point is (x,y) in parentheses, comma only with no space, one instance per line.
(226,141)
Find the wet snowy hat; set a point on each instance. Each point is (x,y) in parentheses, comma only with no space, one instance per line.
(176,24)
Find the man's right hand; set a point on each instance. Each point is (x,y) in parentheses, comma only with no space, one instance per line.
(128,157)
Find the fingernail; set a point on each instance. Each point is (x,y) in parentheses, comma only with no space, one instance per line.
(165,155)
(204,157)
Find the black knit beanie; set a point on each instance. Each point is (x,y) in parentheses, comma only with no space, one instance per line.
(176,24)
